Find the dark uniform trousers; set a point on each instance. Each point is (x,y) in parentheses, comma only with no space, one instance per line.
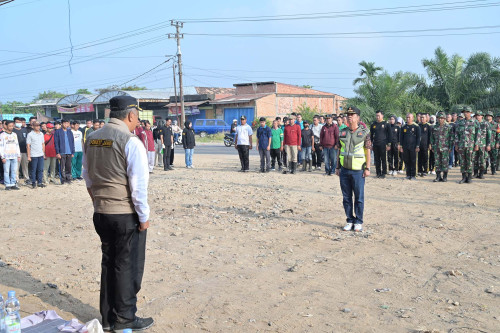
(423,160)
(393,157)
(410,159)
(123,256)
(244,153)
(166,156)
(379,153)
(432,160)
(317,156)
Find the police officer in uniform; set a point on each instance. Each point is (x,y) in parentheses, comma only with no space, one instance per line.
(380,135)
(116,174)
(393,153)
(353,166)
(409,145)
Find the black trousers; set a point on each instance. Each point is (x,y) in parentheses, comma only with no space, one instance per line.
(393,157)
(122,266)
(244,153)
(423,160)
(283,157)
(432,161)
(401,160)
(65,165)
(166,156)
(317,156)
(172,153)
(275,155)
(379,153)
(410,158)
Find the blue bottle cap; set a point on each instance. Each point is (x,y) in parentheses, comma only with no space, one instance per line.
(127,330)
(11,293)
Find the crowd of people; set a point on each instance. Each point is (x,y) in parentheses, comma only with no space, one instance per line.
(422,146)
(38,154)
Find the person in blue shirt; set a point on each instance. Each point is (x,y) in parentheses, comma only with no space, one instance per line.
(65,150)
(264,136)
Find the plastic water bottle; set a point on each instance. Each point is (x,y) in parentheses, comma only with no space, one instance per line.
(127,330)
(13,319)
(2,315)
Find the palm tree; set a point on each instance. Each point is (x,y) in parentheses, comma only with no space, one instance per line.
(367,72)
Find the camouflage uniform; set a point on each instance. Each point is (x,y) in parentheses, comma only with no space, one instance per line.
(493,153)
(442,142)
(484,139)
(466,138)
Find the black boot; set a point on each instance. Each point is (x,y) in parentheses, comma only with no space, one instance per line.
(294,166)
(468,180)
(464,178)
(445,177)
(310,166)
(438,177)
(304,166)
(475,173)
(481,174)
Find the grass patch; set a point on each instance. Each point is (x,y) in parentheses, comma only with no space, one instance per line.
(211,138)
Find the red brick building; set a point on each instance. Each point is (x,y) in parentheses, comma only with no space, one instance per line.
(271,99)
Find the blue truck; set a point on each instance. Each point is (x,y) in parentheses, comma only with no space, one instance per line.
(204,127)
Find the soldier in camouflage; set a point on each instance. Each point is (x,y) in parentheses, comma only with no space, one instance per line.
(442,140)
(497,115)
(484,144)
(467,139)
(493,153)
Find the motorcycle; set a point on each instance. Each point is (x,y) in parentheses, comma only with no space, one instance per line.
(178,140)
(228,140)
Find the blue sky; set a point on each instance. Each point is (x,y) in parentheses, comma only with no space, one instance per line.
(40,26)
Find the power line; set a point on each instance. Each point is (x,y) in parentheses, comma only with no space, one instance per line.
(353,34)
(148,71)
(70,41)
(23,73)
(83,56)
(353,13)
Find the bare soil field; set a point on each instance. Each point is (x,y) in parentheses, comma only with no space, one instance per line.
(250,252)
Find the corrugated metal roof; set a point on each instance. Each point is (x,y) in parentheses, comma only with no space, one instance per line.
(186,104)
(244,98)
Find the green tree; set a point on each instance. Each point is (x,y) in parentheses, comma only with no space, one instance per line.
(454,80)
(307,112)
(83,91)
(49,94)
(11,107)
(367,73)
(115,87)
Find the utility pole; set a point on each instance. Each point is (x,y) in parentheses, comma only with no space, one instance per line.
(175,93)
(178,36)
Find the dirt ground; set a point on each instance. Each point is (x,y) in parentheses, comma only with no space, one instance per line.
(233,252)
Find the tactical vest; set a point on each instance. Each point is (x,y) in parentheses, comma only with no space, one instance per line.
(352,152)
(107,168)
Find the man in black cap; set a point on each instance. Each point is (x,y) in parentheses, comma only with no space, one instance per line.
(352,167)
(116,174)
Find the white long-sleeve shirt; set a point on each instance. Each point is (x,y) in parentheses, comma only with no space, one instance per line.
(137,173)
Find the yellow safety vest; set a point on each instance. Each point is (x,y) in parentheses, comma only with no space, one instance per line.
(352,153)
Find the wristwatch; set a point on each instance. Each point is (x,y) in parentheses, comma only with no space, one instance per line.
(367,169)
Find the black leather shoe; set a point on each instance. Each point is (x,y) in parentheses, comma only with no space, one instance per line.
(138,324)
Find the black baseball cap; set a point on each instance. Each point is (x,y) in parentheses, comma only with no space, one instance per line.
(328,116)
(121,103)
(262,119)
(353,110)
(243,117)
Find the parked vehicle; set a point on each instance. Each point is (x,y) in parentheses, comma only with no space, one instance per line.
(228,140)
(203,127)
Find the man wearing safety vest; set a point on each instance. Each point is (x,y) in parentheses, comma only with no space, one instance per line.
(353,165)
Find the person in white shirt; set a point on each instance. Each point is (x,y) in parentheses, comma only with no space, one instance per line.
(35,144)
(243,144)
(76,162)
(10,154)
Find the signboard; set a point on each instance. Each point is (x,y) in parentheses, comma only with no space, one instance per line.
(82,108)
(188,110)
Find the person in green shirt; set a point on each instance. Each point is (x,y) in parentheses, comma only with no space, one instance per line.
(276,145)
(341,123)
